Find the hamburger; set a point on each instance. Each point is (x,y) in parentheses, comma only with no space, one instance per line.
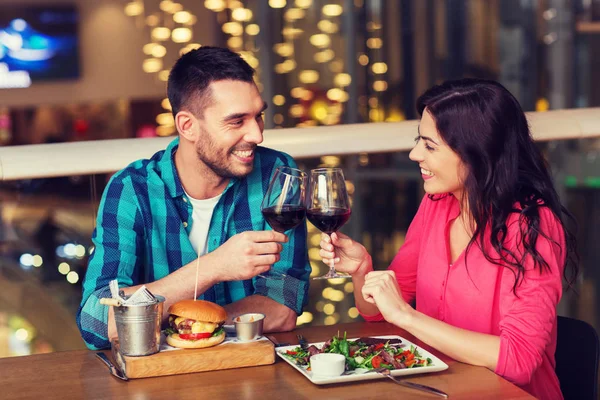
(195,324)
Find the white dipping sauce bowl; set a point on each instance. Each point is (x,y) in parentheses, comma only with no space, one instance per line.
(327,364)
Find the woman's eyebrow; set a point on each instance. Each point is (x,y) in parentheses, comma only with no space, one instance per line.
(426,137)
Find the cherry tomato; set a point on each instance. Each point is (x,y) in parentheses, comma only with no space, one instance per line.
(376,362)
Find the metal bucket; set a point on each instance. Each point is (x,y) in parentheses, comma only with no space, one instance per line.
(138,327)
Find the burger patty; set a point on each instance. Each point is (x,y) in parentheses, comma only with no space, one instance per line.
(185,325)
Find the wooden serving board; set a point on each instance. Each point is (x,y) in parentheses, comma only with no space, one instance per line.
(173,362)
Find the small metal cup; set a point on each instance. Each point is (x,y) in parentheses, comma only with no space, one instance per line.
(249,326)
(138,327)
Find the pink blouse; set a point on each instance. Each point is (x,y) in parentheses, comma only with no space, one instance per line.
(475,294)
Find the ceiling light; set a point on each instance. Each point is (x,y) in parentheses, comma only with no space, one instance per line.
(182,17)
(277,3)
(181,35)
(332,10)
(161,33)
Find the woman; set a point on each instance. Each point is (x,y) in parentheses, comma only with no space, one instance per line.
(485,254)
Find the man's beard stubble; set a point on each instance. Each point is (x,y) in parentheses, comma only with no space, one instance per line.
(217,165)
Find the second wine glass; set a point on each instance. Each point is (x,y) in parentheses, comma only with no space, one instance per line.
(327,205)
(283,206)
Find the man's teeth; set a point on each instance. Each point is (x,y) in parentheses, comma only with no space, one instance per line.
(426,172)
(243,154)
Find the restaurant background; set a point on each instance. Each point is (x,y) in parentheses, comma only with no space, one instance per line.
(319,63)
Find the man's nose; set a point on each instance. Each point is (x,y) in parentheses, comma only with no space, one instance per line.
(254,133)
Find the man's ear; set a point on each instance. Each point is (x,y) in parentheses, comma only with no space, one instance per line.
(187,125)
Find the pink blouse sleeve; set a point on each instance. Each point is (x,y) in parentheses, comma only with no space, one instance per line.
(526,328)
(405,262)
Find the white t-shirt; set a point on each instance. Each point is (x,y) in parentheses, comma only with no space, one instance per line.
(201,216)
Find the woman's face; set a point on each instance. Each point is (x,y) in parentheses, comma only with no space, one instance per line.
(441,168)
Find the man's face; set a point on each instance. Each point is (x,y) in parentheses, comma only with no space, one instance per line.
(230,128)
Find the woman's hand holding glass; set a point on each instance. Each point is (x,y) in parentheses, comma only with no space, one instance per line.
(347,255)
(328,206)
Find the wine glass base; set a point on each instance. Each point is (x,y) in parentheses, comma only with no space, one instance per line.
(332,276)
(276,276)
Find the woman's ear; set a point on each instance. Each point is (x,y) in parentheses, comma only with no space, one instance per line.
(186,125)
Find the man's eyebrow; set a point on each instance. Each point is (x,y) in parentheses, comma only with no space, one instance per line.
(231,117)
(426,137)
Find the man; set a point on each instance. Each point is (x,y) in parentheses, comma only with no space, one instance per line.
(198,203)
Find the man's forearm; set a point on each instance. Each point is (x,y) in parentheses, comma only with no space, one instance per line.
(174,287)
(278,318)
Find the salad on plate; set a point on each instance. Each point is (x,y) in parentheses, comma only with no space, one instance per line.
(365,353)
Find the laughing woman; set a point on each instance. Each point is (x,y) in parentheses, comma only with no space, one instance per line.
(485,254)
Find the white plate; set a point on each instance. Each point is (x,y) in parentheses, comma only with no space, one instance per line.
(362,374)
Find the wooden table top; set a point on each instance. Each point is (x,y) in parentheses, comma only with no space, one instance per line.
(80,375)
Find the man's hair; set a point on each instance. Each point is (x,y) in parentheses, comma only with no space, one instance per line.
(193,73)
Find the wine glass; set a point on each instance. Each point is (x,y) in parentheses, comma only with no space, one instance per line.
(327,205)
(283,206)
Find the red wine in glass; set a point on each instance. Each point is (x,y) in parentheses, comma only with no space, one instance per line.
(328,221)
(328,206)
(283,206)
(284,219)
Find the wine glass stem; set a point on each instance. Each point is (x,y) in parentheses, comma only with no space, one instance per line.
(332,267)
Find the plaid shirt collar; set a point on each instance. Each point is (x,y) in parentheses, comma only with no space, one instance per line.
(167,168)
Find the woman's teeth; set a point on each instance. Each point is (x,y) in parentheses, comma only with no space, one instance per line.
(426,172)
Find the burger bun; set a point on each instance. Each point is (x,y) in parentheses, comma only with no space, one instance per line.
(199,310)
(175,341)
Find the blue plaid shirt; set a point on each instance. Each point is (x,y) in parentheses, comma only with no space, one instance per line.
(143,228)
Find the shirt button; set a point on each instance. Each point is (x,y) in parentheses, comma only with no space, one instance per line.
(184,200)
(185,224)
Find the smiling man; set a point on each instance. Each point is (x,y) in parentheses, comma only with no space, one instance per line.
(188,219)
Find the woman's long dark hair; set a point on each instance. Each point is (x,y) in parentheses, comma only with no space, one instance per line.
(484,124)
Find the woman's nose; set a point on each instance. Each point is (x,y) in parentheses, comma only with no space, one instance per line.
(415,154)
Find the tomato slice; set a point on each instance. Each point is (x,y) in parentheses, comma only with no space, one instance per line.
(194,336)
(376,362)
(379,346)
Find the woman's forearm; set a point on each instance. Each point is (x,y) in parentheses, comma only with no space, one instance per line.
(462,345)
